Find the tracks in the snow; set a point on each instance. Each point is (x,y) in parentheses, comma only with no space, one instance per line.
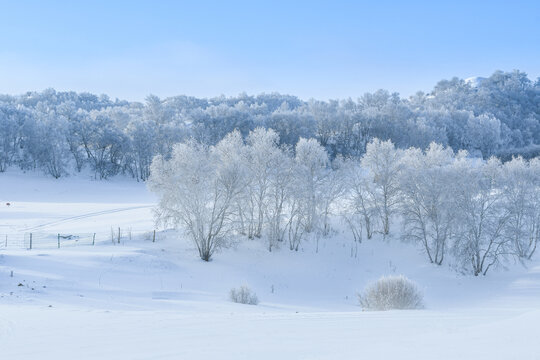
(85,216)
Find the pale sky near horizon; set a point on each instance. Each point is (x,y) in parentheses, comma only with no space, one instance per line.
(333,49)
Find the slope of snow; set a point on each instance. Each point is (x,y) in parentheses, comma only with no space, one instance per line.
(76,204)
(145,300)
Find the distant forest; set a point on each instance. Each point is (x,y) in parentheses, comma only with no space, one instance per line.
(62,133)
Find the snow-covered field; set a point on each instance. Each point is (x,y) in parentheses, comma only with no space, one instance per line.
(145,300)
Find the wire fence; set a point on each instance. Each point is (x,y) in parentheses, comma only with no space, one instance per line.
(42,240)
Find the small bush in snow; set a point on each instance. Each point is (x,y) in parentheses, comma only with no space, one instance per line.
(391,292)
(243,295)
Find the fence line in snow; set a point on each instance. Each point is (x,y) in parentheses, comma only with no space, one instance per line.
(44,240)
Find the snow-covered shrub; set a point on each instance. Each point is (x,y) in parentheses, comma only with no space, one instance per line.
(391,292)
(243,295)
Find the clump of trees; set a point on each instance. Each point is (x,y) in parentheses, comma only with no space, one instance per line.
(65,132)
(257,189)
(476,212)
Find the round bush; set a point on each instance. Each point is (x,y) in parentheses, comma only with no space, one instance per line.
(391,292)
(243,295)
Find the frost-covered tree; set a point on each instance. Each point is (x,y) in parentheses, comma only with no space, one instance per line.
(103,143)
(52,156)
(14,128)
(480,241)
(142,137)
(197,187)
(427,205)
(483,134)
(534,216)
(262,157)
(334,188)
(280,193)
(297,220)
(359,208)
(311,172)
(520,188)
(383,163)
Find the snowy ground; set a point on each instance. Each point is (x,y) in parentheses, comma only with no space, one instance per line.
(144,300)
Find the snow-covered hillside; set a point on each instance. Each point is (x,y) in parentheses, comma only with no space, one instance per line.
(157,300)
(72,205)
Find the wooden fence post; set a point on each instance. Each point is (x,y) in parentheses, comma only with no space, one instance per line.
(94,239)
(154,237)
(30,241)
(59,241)
(6,241)
(119,234)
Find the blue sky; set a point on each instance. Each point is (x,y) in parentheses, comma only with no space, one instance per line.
(333,49)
